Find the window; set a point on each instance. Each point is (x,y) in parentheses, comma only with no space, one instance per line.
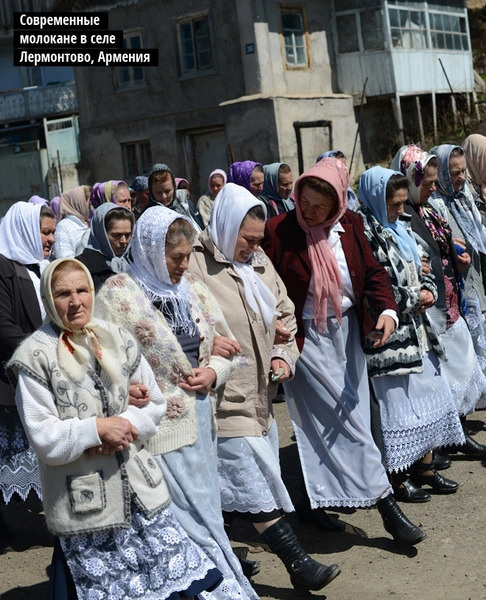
(294,37)
(360,31)
(408,28)
(195,45)
(137,158)
(130,76)
(448,31)
(31,76)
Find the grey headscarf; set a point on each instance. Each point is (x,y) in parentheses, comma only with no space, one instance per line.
(98,238)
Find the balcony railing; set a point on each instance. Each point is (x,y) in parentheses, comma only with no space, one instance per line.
(36,102)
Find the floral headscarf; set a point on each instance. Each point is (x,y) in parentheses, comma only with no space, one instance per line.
(411,161)
(76,345)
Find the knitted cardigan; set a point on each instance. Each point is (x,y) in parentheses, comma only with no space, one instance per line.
(401,355)
(86,494)
(122,301)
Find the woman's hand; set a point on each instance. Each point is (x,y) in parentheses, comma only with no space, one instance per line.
(201,382)
(464,260)
(282,334)
(225,347)
(276,365)
(138,395)
(384,327)
(425,266)
(426,299)
(116,431)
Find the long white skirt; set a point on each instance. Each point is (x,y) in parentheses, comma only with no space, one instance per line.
(249,474)
(462,369)
(329,404)
(418,414)
(192,476)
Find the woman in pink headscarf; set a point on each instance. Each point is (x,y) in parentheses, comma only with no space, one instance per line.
(216,181)
(341,296)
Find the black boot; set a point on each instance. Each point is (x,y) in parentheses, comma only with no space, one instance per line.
(317,516)
(305,573)
(439,484)
(471,448)
(396,523)
(441,459)
(249,567)
(5,530)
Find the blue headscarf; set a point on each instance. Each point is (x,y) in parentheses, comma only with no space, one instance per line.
(372,193)
(461,203)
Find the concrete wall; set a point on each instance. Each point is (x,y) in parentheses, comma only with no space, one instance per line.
(251,99)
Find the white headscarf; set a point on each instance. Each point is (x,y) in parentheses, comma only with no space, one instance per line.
(149,266)
(229,210)
(20,237)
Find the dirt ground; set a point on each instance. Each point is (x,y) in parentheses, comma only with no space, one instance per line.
(449,564)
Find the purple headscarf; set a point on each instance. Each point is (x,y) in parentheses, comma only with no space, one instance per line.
(38,200)
(54,205)
(240,173)
(104,192)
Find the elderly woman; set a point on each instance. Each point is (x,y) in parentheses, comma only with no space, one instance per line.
(109,242)
(163,192)
(26,239)
(277,189)
(252,297)
(116,191)
(418,412)
(105,497)
(248,174)
(173,317)
(216,180)
(432,232)
(72,223)
(326,263)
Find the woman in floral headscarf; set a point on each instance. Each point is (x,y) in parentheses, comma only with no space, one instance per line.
(322,255)
(174,316)
(432,232)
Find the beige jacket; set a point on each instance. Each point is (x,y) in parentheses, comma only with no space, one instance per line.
(245,407)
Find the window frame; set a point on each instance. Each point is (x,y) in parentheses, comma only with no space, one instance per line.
(295,8)
(197,72)
(132,84)
(356,13)
(141,168)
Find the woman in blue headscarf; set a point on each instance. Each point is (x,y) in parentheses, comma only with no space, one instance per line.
(418,413)
(277,189)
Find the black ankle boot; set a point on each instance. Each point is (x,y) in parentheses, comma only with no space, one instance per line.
(396,523)
(249,567)
(441,459)
(305,573)
(439,484)
(317,516)
(5,530)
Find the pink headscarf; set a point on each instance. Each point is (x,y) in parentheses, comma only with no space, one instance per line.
(327,278)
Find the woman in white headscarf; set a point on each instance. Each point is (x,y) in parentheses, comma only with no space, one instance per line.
(72,223)
(253,297)
(108,246)
(173,317)
(26,239)
(105,498)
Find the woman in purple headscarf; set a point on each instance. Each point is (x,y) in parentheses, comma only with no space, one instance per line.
(248,174)
(115,190)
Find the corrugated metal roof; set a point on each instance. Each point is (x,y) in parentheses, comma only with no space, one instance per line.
(8,7)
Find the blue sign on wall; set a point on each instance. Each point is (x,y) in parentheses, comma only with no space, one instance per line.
(250,48)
